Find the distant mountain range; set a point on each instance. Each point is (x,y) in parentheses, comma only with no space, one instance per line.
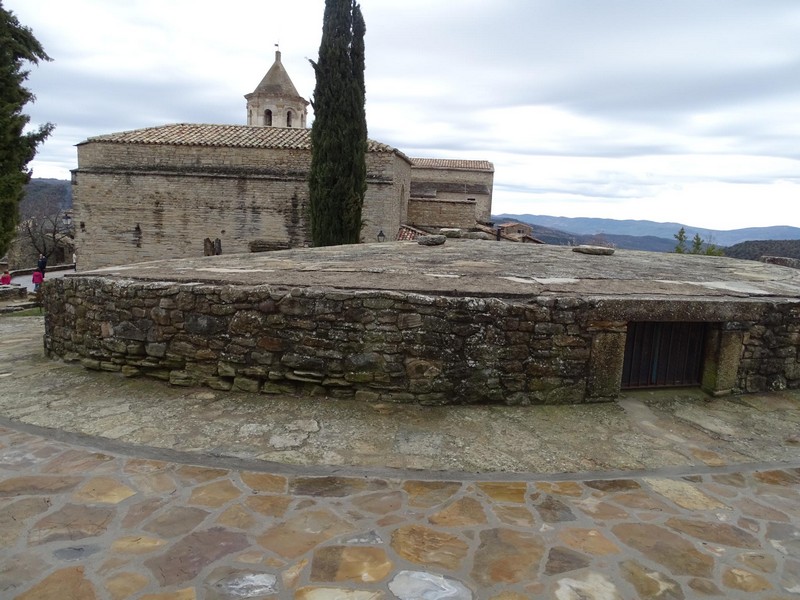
(638,235)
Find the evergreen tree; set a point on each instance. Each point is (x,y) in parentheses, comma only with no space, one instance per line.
(17,149)
(680,247)
(337,180)
(697,244)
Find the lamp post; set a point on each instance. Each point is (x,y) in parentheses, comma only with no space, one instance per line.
(381,236)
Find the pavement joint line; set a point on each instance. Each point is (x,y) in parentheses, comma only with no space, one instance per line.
(211,460)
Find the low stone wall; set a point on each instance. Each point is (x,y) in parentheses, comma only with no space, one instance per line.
(385,346)
(770,358)
(12,292)
(394,346)
(783,261)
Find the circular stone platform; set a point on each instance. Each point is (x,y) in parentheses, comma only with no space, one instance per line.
(469,321)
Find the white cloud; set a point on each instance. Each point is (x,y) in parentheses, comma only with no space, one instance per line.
(679,111)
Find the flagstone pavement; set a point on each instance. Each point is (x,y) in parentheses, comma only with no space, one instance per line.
(83,517)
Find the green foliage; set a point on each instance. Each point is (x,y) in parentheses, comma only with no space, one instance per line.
(17,148)
(337,182)
(699,245)
(711,249)
(754,250)
(680,247)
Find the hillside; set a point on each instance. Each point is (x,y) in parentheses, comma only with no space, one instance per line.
(626,242)
(46,196)
(573,226)
(754,250)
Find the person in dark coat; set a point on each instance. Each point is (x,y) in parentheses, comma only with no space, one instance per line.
(42,263)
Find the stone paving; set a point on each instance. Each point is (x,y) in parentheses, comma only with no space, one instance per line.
(78,522)
(88,517)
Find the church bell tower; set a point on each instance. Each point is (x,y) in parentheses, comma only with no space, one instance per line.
(275,101)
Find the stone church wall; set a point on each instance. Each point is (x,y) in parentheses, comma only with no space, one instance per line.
(455,185)
(386,202)
(441,213)
(137,202)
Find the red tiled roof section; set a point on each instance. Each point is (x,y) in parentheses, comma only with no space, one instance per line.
(231,136)
(447,163)
(407,233)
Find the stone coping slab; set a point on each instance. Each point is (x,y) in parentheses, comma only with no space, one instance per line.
(482,268)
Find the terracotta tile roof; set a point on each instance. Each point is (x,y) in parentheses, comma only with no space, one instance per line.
(407,233)
(446,163)
(507,236)
(232,136)
(511,224)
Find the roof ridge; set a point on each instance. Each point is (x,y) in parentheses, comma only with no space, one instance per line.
(224,135)
(453,163)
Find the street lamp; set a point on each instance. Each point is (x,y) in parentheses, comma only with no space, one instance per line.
(67,219)
(381,236)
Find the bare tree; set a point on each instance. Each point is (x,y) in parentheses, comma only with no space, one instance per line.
(49,231)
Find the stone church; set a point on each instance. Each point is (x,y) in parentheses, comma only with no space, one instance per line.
(165,191)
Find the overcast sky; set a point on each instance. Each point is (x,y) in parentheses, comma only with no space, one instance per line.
(668,110)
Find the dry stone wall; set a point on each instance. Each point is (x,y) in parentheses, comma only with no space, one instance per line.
(770,359)
(374,346)
(394,346)
(12,292)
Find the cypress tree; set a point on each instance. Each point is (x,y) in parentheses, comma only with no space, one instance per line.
(339,134)
(17,149)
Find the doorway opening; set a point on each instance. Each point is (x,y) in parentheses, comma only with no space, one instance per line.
(663,354)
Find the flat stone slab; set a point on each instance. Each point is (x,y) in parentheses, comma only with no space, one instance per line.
(207,530)
(595,250)
(481,268)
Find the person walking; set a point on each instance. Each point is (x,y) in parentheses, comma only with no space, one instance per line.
(41,264)
(5,279)
(38,278)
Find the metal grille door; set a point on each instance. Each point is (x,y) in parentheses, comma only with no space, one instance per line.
(663,354)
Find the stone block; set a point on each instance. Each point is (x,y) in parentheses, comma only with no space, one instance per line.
(117,346)
(246,384)
(431,240)
(130,371)
(90,363)
(606,363)
(219,383)
(359,377)
(226,369)
(304,376)
(183,379)
(205,325)
(367,396)
(277,389)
